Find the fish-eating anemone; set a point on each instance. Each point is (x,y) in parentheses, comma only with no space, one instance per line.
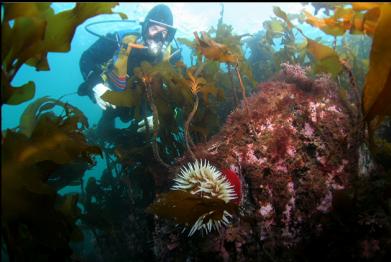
(205,180)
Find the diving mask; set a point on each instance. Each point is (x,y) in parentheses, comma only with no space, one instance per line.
(157,38)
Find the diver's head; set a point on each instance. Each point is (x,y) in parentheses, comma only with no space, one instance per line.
(157,29)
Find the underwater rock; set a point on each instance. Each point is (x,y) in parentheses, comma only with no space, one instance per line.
(293,150)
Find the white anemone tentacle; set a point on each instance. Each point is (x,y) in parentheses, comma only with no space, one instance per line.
(203,179)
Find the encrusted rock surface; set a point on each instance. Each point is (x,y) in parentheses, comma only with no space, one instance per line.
(293,150)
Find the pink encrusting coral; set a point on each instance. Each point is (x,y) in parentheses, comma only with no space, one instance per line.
(294,150)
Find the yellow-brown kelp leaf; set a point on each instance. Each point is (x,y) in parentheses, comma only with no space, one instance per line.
(18,95)
(330,25)
(206,122)
(347,19)
(207,90)
(224,35)
(329,65)
(276,26)
(370,21)
(127,98)
(178,91)
(327,60)
(360,6)
(67,175)
(29,165)
(37,31)
(135,90)
(15,49)
(245,70)
(20,181)
(54,31)
(377,89)
(15,10)
(22,41)
(29,118)
(194,83)
(213,50)
(365,23)
(61,27)
(186,42)
(200,84)
(47,132)
(40,62)
(278,12)
(25,39)
(330,6)
(23,175)
(185,208)
(52,141)
(21,184)
(74,113)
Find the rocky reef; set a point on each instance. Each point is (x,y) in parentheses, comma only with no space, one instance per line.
(294,147)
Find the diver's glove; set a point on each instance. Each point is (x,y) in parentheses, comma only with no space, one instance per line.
(99,90)
(142,126)
(85,89)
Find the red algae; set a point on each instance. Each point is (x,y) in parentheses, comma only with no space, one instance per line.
(303,153)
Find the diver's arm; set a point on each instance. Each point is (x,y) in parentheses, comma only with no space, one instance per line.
(91,62)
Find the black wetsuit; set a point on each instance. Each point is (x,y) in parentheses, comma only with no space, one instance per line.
(96,56)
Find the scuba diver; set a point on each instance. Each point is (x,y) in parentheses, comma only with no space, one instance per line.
(109,63)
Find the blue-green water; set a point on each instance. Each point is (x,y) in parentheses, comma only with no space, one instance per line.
(64,76)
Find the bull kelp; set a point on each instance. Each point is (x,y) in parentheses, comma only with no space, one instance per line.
(270,145)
